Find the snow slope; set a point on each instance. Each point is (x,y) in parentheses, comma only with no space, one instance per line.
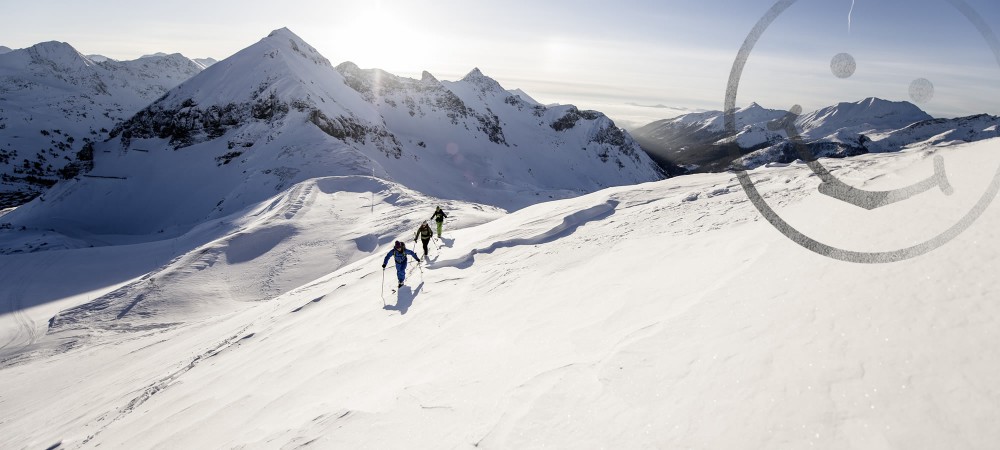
(55,104)
(661,315)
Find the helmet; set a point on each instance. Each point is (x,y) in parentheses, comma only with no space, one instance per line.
(400,245)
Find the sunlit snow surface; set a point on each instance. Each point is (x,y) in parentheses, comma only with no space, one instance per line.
(662,315)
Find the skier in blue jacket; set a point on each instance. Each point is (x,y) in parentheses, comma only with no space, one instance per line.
(399,252)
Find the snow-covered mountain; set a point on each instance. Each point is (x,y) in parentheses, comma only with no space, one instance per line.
(201,62)
(4,49)
(55,104)
(205,62)
(663,315)
(690,140)
(864,137)
(701,143)
(528,145)
(935,132)
(278,112)
(871,114)
(99,58)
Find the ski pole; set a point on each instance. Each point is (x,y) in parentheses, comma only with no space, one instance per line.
(383,287)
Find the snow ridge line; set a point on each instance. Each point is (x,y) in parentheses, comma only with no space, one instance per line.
(568,225)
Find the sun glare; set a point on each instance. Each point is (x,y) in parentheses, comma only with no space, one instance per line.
(378,37)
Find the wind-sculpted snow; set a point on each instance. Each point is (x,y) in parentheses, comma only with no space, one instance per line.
(535,235)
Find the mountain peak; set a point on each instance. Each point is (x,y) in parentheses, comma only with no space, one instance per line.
(284,32)
(99,58)
(285,38)
(474,74)
(426,77)
(4,50)
(868,115)
(205,62)
(875,105)
(59,55)
(875,101)
(348,66)
(483,82)
(165,56)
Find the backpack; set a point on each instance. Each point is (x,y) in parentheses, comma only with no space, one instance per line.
(400,253)
(425,231)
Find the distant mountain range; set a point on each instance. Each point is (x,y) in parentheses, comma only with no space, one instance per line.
(55,104)
(65,116)
(204,62)
(700,142)
(662,106)
(278,112)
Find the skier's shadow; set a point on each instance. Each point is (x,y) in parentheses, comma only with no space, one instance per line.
(447,242)
(404,299)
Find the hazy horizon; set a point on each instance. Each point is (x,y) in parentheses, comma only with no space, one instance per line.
(610,58)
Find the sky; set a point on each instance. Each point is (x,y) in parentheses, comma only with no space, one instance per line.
(593,54)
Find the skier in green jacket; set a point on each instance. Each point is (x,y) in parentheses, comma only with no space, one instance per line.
(439,217)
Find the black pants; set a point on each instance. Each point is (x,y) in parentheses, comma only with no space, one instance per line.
(425,242)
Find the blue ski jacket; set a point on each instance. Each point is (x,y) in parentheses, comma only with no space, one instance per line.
(400,257)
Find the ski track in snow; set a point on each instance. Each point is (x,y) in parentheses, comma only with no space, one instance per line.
(24,334)
(108,419)
(26,331)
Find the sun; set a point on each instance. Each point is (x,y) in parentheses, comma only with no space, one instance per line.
(378,37)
